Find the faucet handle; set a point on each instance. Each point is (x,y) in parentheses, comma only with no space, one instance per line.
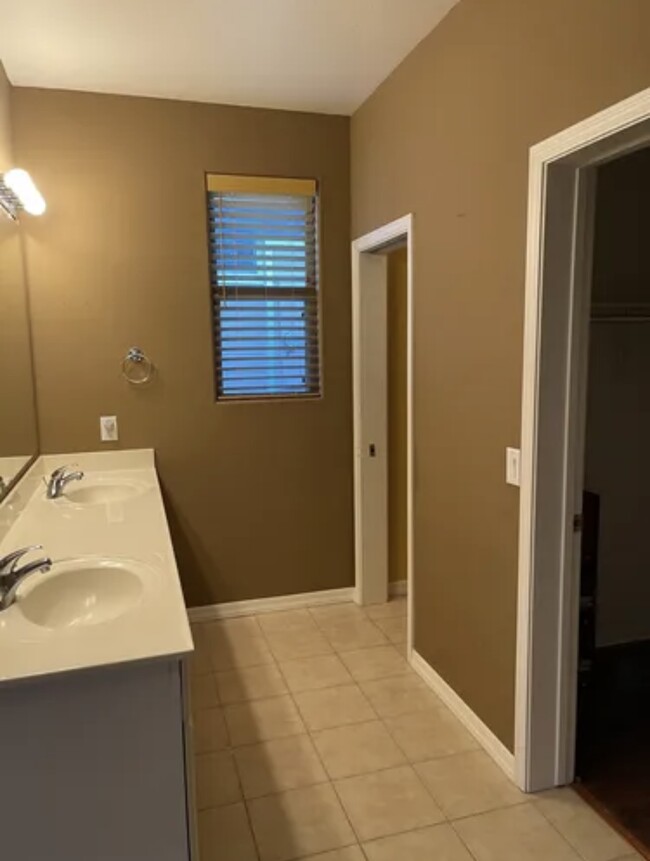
(61,470)
(8,563)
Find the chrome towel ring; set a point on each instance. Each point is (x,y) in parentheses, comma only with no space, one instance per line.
(137,367)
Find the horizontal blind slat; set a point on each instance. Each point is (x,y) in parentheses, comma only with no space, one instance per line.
(274,310)
(271,202)
(263,280)
(255,386)
(253,292)
(255,337)
(238,257)
(256,378)
(232,249)
(242,374)
(233,220)
(257,393)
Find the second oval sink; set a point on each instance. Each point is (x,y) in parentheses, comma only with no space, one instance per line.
(95,491)
(83,592)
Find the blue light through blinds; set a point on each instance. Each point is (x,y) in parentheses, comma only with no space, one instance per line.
(264,273)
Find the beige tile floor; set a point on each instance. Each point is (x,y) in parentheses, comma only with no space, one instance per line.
(315,740)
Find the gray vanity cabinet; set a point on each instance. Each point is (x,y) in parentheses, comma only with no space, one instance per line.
(93,766)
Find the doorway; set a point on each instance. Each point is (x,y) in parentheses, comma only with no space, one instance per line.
(613,708)
(382,298)
(562,195)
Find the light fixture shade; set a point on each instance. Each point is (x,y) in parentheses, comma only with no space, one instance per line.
(22,185)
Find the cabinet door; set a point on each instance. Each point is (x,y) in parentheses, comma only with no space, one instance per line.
(93,767)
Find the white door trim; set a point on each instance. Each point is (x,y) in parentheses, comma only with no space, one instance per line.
(402,228)
(557,289)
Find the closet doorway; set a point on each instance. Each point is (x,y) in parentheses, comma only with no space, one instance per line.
(613,706)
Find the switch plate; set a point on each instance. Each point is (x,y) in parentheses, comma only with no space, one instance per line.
(513,466)
(108,428)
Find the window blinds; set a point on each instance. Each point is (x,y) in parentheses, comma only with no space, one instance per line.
(264,277)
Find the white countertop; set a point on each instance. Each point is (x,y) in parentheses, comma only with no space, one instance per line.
(132,529)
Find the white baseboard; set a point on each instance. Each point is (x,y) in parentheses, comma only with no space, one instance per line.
(270,605)
(483,734)
(397,588)
(210,612)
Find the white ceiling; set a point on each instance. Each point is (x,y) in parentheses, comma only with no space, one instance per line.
(317,55)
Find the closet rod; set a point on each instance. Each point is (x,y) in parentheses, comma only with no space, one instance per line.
(620,319)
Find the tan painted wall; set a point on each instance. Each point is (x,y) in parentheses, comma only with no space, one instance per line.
(259,495)
(397,448)
(18,432)
(617,461)
(447,138)
(6,143)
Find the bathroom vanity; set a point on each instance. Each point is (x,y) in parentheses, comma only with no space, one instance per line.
(93,716)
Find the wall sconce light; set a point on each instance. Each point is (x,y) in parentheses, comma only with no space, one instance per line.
(18,191)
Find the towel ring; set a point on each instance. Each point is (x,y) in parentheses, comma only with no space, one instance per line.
(137,359)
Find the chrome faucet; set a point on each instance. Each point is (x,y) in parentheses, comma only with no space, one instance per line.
(58,480)
(11,576)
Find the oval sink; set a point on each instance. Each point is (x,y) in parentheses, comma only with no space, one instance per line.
(82,592)
(95,491)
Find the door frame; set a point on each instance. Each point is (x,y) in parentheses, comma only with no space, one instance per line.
(561,204)
(372,581)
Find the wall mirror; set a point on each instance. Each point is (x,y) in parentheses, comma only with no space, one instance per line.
(18,426)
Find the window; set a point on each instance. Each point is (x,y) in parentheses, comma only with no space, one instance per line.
(264,276)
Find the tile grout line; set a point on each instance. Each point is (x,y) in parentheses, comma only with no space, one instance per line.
(580,855)
(528,803)
(338,798)
(422,828)
(284,679)
(462,842)
(365,618)
(333,785)
(249,818)
(337,726)
(489,810)
(230,752)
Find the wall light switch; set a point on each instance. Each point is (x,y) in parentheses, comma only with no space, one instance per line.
(513,464)
(108,428)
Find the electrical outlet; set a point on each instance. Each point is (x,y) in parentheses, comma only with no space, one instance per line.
(513,466)
(108,428)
